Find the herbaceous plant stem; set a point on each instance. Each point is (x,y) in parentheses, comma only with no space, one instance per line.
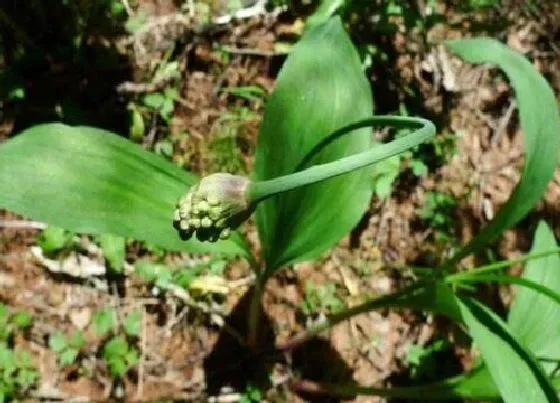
(259,191)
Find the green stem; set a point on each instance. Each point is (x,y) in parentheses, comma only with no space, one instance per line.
(454,278)
(487,278)
(255,314)
(259,191)
(381,302)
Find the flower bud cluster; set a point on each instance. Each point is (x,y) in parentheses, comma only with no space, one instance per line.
(213,208)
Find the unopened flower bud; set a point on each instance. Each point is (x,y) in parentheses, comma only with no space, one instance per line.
(213,207)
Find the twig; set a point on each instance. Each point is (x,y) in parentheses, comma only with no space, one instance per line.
(127,7)
(502,124)
(250,52)
(22,224)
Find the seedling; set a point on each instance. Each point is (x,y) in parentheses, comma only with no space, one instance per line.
(321,299)
(310,185)
(119,351)
(11,323)
(67,347)
(17,372)
(439,211)
(120,356)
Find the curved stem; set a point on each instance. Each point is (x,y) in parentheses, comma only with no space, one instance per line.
(259,191)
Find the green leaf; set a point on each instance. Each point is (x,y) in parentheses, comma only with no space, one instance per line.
(320,88)
(114,251)
(386,172)
(131,357)
(117,366)
(89,180)
(104,320)
(514,370)
(58,342)
(325,10)
(53,238)
(533,317)
(133,323)
(68,356)
(154,100)
(77,340)
(150,271)
(116,347)
(137,126)
(540,124)
(22,319)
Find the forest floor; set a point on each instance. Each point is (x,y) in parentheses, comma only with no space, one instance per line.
(187,349)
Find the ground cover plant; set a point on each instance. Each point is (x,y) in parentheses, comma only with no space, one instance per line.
(311,183)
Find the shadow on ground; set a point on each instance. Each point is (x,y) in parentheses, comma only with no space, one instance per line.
(232,364)
(60,63)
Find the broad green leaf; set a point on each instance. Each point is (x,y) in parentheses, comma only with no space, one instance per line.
(534,317)
(514,370)
(540,124)
(325,10)
(476,384)
(89,180)
(320,88)
(114,249)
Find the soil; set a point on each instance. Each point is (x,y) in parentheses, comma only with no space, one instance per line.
(190,355)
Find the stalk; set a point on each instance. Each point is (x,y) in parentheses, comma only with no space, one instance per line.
(220,202)
(259,191)
(381,302)
(255,314)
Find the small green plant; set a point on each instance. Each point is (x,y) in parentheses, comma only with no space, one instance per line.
(252,394)
(422,361)
(67,347)
(119,351)
(53,239)
(120,356)
(439,211)
(309,187)
(17,372)
(11,323)
(321,299)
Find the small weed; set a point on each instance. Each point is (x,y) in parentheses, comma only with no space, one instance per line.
(120,356)
(119,351)
(321,298)
(422,361)
(53,239)
(17,372)
(439,210)
(252,394)
(67,347)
